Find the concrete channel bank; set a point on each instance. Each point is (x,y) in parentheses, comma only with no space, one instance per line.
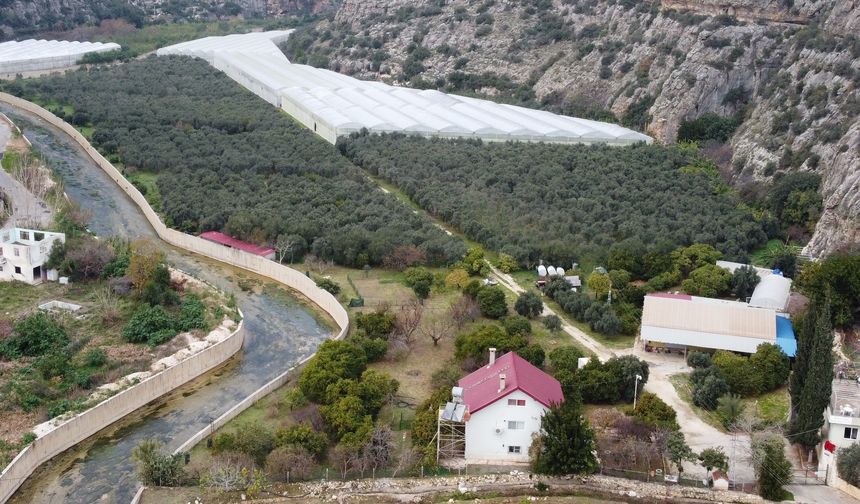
(45,448)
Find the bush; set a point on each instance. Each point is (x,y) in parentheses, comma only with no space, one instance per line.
(730,407)
(516,325)
(475,345)
(771,363)
(651,410)
(552,323)
(565,358)
(333,361)
(739,374)
(33,336)
(149,324)
(709,126)
(377,324)
(848,464)
(699,360)
(709,390)
(529,304)
(192,313)
(304,436)
(95,357)
(290,463)
(345,416)
(329,285)
(744,281)
(374,348)
(533,353)
(491,301)
(156,468)
(709,280)
(598,384)
(420,280)
(255,440)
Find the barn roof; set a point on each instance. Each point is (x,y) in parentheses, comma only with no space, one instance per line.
(229,241)
(481,388)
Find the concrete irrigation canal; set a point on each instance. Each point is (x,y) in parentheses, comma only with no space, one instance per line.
(279,330)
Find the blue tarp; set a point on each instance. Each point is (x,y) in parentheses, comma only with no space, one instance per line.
(785,336)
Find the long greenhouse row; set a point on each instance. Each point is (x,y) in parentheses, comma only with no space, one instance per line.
(334,105)
(38,55)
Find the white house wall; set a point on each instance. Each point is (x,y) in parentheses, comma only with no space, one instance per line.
(484,444)
(835,428)
(651,334)
(339,104)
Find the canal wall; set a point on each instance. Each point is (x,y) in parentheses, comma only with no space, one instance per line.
(91,421)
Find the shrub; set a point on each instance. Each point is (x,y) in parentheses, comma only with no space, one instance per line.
(739,374)
(744,281)
(420,280)
(730,407)
(192,313)
(709,280)
(333,361)
(290,463)
(707,393)
(304,436)
(475,345)
(699,360)
(626,368)
(329,285)
(255,440)
(35,335)
(516,325)
(529,304)
(156,468)
(533,353)
(651,410)
(377,324)
(95,357)
(771,363)
(709,126)
(551,323)
(345,416)
(457,279)
(491,301)
(565,358)
(848,464)
(374,348)
(598,384)
(149,324)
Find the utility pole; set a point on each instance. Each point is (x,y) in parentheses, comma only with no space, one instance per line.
(636,390)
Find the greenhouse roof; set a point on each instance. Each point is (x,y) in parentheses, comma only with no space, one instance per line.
(333,104)
(26,50)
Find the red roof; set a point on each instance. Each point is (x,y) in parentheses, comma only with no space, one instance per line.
(215,236)
(481,388)
(671,296)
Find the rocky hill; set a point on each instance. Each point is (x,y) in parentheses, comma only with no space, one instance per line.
(778,77)
(20,18)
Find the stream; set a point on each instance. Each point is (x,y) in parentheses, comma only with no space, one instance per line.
(279,331)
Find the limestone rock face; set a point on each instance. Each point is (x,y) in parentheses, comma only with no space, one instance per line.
(793,67)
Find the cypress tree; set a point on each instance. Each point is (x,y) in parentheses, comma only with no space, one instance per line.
(805,338)
(817,386)
(773,470)
(565,444)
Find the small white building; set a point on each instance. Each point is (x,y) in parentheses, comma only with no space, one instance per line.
(496,410)
(23,253)
(842,416)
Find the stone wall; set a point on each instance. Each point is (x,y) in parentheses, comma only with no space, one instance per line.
(91,421)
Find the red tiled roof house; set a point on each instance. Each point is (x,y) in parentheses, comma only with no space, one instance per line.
(229,241)
(505,401)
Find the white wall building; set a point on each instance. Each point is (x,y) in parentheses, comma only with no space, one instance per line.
(842,416)
(23,253)
(40,55)
(504,403)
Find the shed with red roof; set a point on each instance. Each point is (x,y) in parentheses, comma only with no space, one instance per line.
(505,402)
(229,241)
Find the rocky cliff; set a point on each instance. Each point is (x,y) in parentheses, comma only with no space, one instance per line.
(788,69)
(20,18)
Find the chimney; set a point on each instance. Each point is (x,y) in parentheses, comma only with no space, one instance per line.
(492,356)
(501,382)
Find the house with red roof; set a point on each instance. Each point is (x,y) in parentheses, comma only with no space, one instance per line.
(230,242)
(502,405)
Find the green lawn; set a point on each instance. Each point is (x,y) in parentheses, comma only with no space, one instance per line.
(146,183)
(9,159)
(771,407)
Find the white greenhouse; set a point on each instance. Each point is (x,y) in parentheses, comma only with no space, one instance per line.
(40,55)
(333,105)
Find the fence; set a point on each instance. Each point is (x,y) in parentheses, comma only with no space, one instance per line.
(111,410)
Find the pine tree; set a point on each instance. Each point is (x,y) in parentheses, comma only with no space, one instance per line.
(565,444)
(773,470)
(817,386)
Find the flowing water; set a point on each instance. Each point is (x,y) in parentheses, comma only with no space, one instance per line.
(279,330)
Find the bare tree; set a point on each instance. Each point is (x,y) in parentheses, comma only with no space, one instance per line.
(405,460)
(464,310)
(320,265)
(228,472)
(437,329)
(376,453)
(407,321)
(345,458)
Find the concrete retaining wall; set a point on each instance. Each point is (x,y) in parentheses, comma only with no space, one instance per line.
(112,409)
(91,421)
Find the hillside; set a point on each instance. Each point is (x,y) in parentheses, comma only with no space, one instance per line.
(786,71)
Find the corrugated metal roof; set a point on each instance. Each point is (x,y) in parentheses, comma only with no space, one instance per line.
(731,319)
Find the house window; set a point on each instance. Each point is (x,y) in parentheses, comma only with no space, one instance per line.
(17,270)
(516,425)
(25,235)
(850,432)
(17,252)
(516,402)
(514,449)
